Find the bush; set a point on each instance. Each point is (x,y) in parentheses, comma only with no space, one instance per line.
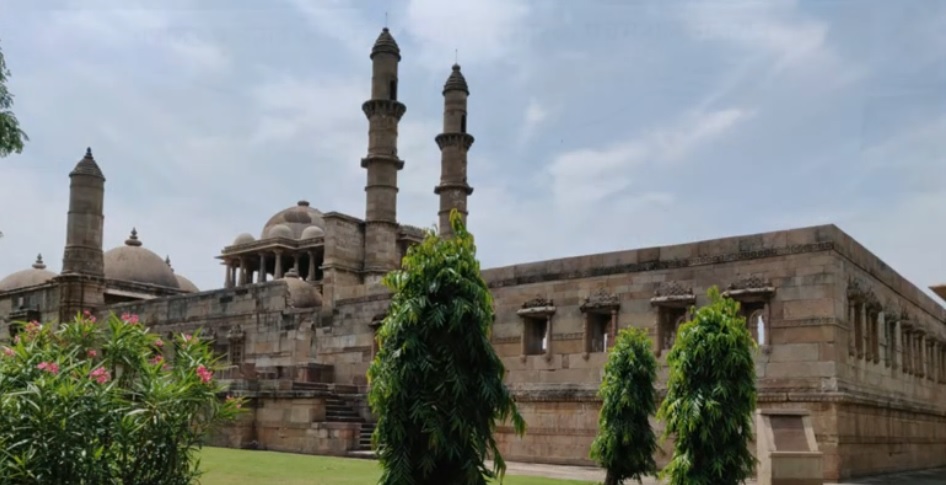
(711,397)
(626,443)
(98,403)
(436,382)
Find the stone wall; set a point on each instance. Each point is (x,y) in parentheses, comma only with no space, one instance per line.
(43,299)
(802,363)
(256,317)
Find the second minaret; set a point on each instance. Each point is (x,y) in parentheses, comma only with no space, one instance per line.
(384,112)
(454,144)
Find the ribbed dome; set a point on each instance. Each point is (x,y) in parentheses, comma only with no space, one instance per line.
(87,166)
(301,294)
(296,218)
(456,81)
(385,44)
(36,275)
(134,263)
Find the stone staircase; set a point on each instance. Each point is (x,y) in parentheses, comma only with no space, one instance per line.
(340,408)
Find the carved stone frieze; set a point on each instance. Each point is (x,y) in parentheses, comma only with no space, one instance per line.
(673,293)
(538,306)
(600,300)
(858,291)
(236,333)
(750,287)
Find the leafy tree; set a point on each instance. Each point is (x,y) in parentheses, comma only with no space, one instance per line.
(436,382)
(11,136)
(711,397)
(626,443)
(96,402)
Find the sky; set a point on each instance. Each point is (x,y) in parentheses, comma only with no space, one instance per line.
(600,125)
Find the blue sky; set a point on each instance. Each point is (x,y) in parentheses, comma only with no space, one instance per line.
(600,125)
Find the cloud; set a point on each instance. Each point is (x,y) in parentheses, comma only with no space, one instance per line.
(585,177)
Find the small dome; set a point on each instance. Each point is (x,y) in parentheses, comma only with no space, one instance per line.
(301,294)
(456,81)
(134,263)
(279,230)
(184,283)
(244,238)
(296,218)
(311,232)
(386,44)
(36,275)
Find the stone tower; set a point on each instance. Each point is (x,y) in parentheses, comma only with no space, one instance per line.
(384,112)
(83,269)
(454,144)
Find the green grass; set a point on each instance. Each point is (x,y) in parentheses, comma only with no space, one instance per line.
(224,466)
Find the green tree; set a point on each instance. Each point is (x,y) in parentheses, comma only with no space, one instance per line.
(711,397)
(436,382)
(96,402)
(11,136)
(626,443)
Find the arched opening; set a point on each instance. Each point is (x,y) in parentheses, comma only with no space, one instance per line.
(392,89)
(756,323)
(463,123)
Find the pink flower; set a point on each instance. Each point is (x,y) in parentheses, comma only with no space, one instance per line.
(32,328)
(205,374)
(87,313)
(51,367)
(156,360)
(130,318)
(91,353)
(187,337)
(231,399)
(159,343)
(8,352)
(100,375)
(16,339)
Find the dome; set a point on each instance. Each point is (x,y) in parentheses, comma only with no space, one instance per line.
(134,263)
(184,283)
(296,218)
(385,44)
(456,81)
(311,232)
(301,294)
(36,275)
(244,238)
(279,230)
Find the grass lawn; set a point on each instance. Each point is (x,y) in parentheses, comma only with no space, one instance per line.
(224,466)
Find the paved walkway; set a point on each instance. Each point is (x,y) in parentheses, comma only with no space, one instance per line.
(591,474)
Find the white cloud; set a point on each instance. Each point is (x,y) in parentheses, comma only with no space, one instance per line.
(198,54)
(584,177)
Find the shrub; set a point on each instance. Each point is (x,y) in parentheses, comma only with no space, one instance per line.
(436,382)
(626,443)
(711,397)
(97,403)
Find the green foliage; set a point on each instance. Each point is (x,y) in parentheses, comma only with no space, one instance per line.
(11,136)
(711,397)
(626,443)
(436,382)
(96,403)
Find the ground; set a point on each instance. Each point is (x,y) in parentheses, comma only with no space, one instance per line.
(239,467)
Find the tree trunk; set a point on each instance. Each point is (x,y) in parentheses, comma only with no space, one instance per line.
(610,479)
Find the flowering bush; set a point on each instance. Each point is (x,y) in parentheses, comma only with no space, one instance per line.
(105,402)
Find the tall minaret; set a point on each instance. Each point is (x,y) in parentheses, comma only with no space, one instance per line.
(83,267)
(384,112)
(454,144)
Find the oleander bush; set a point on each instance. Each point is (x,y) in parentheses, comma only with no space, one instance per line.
(109,402)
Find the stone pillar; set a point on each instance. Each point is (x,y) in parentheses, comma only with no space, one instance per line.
(277,272)
(897,345)
(312,268)
(262,268)
(864,342)
(242,269)
(295,262)
(231,275)
(612,329)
